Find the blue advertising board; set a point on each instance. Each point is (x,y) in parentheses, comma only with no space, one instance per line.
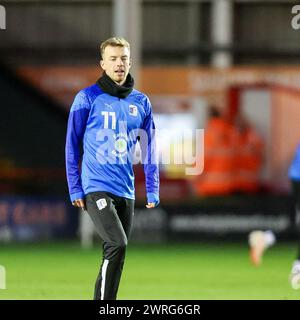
(34,218)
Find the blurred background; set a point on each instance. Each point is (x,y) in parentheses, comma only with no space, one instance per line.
(231,67)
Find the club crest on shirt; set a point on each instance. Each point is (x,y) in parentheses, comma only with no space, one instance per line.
(133,110)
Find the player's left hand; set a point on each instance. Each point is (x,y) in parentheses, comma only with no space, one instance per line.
(150,205)
(152,200)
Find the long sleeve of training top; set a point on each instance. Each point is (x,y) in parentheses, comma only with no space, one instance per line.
(104,123)
(150,159)
(76,127)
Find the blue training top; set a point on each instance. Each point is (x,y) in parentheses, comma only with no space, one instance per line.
(294,169)
(109,128)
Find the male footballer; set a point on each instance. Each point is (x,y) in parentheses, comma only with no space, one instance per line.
(108,119)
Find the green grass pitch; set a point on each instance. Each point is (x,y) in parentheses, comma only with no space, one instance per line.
(197,271)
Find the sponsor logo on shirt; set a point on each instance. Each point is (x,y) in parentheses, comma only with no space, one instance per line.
(120,146)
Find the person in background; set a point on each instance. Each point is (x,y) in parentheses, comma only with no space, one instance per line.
(217,177)
(259,241)
(248,156)
(294,176)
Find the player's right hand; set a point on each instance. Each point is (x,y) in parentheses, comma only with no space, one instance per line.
(79,203)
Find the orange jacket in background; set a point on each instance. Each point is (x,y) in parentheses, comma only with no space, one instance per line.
(248,161)
(218,175)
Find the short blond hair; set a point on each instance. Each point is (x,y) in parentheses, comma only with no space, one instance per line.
(114,42)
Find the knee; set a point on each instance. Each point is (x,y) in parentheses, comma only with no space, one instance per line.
(116,248)
(120,245)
